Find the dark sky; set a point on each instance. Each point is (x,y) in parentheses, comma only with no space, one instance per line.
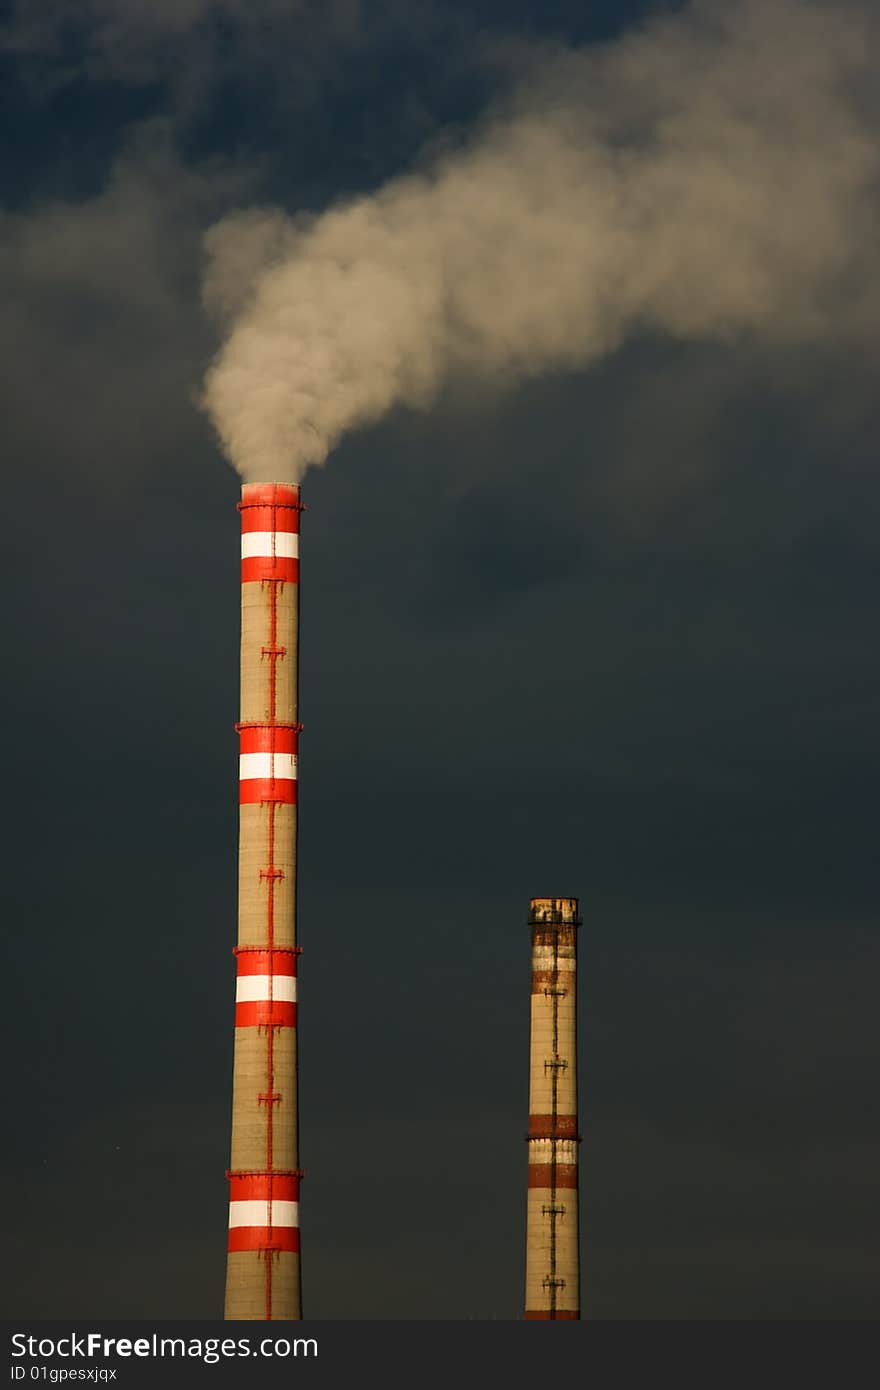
(609,634)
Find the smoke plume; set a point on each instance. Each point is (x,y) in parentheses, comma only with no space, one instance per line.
(712,175)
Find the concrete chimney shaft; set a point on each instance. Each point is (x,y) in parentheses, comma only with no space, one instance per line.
(263,1261)
(552,1243)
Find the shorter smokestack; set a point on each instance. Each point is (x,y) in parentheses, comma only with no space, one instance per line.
(552,1243)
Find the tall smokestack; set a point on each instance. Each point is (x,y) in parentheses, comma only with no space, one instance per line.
(263,1263)
(552,1244)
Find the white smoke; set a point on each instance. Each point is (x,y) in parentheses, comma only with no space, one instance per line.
(710,175)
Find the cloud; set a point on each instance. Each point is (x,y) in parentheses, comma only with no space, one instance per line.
(101,332)
(711,176)
(193,46)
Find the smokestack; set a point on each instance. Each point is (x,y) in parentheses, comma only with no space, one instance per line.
(552,1244)
(263,1263)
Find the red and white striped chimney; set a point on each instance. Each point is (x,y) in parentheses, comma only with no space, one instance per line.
(263,1261)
